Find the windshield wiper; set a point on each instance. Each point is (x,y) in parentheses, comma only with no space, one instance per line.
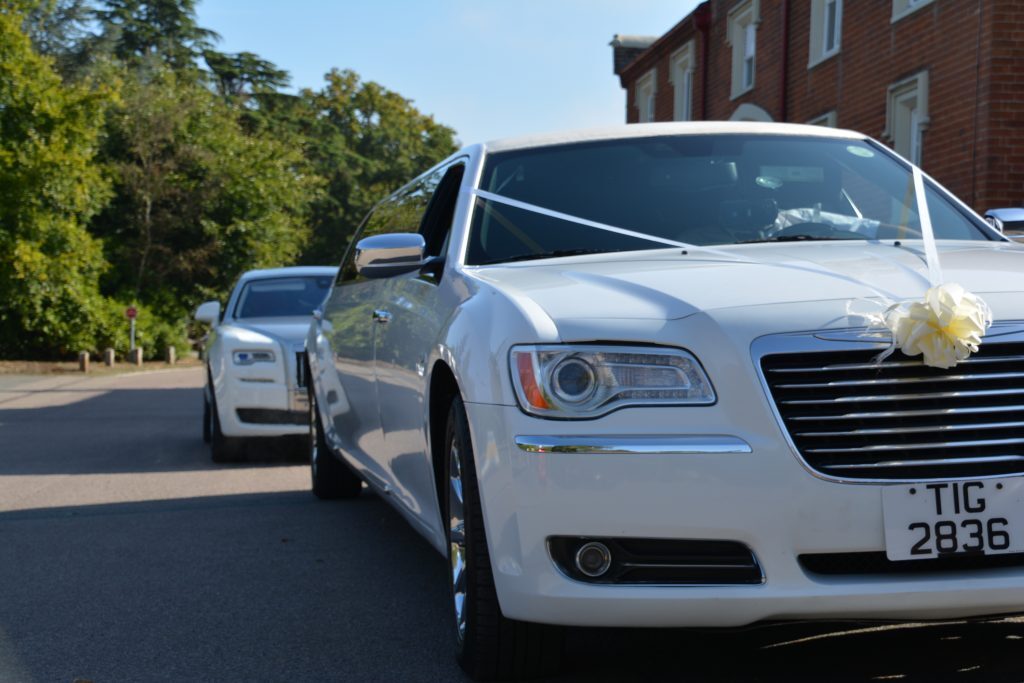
(546,254)
(801,238)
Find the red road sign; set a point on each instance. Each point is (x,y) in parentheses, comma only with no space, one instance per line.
(130,312)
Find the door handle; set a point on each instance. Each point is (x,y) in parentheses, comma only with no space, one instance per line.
(381,316)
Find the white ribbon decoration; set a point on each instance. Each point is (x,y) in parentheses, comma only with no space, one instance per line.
(945,327)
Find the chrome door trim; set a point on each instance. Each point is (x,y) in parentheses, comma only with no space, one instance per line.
(634,445)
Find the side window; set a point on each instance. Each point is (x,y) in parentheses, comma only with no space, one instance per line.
(402,212)
(437,223)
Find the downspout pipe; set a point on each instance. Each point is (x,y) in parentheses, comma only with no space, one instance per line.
(702,22)
(784,81)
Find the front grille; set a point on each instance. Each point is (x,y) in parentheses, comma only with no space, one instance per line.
(854,564)
(267,416)
(663,561)
(852,418)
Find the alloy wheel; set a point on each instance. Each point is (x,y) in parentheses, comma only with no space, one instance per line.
(457,540)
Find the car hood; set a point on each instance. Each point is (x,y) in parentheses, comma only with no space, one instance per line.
(672,284)
(290,331)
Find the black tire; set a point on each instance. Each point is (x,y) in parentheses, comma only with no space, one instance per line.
(491,647)
(207,420)
(332,479)
(223,448)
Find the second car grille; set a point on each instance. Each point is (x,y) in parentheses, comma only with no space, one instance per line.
(852,418)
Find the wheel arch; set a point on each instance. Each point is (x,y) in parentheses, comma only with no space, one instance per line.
(443,388)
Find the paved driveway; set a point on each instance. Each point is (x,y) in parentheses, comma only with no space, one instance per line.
(126,555)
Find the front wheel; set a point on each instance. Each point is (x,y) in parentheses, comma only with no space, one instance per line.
(222,448)
(331,478)
(490,646)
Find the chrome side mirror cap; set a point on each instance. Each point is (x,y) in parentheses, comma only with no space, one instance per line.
(391,254)
(209,313)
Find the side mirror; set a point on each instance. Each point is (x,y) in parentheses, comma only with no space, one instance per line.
(208,313)
(391,254)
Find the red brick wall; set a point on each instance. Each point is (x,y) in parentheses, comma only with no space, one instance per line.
(973,51)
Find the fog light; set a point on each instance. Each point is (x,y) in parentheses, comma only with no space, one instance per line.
(593,559)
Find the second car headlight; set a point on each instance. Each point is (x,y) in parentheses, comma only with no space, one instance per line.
(578,382)
(251,357)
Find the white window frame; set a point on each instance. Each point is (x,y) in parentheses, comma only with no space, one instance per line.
(819,50)
(742,36)
(681,75)
(902,8)
(828,119)
(646,95)
(906,115)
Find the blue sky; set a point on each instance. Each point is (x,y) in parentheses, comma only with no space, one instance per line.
(489,69)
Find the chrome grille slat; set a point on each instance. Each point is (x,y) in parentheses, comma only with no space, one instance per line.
(917,430)
(932,462)
(852,417)
(841,367)
(920,446)
(911,413)
(907,397)
(905,380)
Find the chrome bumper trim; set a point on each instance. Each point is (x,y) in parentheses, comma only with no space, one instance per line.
(634,445)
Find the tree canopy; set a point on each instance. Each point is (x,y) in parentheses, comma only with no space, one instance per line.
(139,165)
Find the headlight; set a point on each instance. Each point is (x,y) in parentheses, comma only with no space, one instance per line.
(250,357)
(576,382)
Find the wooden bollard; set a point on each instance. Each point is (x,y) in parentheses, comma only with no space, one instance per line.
(108,358)
(83,361)
(172,355)
(135,356)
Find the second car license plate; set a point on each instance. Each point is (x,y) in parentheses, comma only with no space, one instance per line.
(939,519)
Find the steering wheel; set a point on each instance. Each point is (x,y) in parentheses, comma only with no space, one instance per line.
(808,228)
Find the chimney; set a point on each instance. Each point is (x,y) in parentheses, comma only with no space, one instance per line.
(626,48)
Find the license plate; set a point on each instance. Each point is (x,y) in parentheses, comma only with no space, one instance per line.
(926,521)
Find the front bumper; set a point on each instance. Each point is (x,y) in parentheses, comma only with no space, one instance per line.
(763,498)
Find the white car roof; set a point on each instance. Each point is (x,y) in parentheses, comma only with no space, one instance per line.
(291,271)
(643,130)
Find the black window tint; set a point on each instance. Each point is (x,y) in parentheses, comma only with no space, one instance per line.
(703,190)
(437,222)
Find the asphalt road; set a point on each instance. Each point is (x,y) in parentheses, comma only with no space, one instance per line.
(126,555)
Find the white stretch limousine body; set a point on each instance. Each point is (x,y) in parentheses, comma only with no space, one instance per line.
(254,357)
(631,377)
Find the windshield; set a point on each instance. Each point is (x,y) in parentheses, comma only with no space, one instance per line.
(280,297)
(701,190)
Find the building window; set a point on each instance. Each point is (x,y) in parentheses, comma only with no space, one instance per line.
(743,21)
(906,115)
(682,82)
(827,119)
(901,8)
(646,90)
(826,30)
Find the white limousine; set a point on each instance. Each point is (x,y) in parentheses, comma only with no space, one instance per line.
(255,381)
(671,375)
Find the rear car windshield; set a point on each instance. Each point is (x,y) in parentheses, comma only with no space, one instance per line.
(702,190)
(281,297)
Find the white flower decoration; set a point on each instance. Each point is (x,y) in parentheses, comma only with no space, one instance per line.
(945,328)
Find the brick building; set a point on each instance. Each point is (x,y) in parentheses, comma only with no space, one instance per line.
(940,81)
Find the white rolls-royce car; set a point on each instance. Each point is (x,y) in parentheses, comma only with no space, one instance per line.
(671,375)
(255,386)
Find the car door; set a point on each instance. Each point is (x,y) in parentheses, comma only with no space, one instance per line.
(346,383)
(416,306)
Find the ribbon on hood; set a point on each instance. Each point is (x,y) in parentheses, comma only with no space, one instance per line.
(944,327)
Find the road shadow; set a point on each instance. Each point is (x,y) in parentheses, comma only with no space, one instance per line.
(281,586)
(123,430)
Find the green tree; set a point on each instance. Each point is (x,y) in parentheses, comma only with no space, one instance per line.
(366,141)
(49,187)
(154,31)
(197,200)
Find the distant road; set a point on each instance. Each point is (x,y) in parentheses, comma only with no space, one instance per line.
(127,555)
